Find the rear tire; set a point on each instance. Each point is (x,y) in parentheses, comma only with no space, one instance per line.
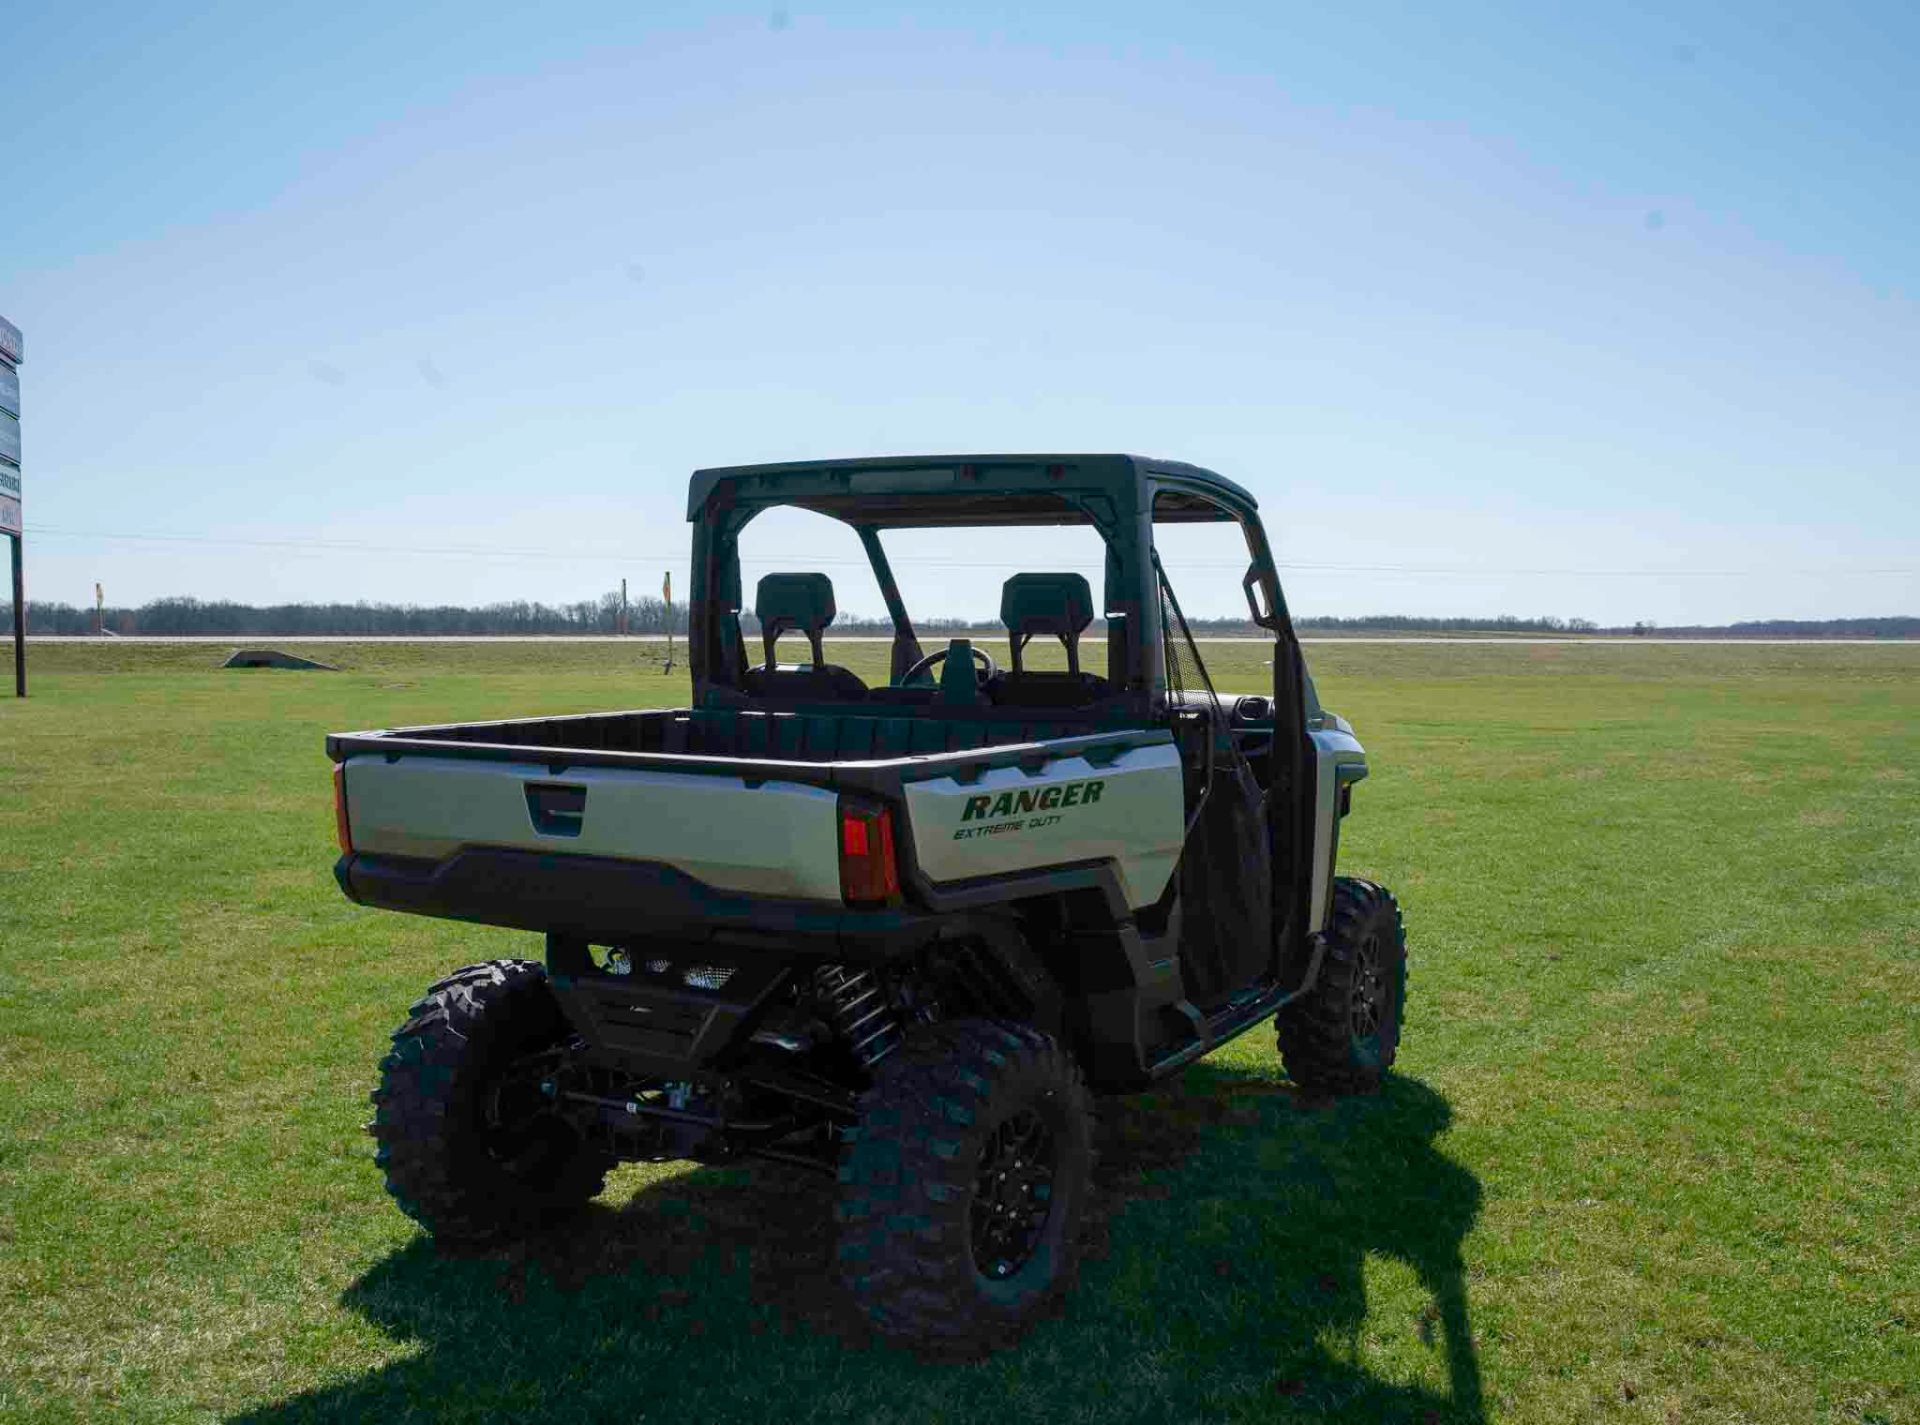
(1342,1035)
(964,1186)
(470,1147)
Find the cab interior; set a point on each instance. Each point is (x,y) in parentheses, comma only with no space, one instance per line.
(966,673)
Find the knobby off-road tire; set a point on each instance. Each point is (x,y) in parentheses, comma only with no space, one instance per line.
(963,1186)
(470,1150)
(1342,1035)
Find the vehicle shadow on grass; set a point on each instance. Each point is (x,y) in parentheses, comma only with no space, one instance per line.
(1225,1278)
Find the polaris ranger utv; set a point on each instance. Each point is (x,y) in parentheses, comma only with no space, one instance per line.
(899,934)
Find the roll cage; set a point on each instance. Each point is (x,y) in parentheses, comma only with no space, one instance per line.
(1121,496)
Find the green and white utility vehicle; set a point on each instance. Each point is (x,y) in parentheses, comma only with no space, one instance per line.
(900,934)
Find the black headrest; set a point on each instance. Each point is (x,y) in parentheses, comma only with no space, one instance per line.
(1059,604)
(803,601)
(783,602)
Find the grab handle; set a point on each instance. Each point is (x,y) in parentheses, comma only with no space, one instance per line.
(557,808)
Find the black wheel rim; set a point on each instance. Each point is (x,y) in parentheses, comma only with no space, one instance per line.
(1369,1001)
(524,1134)
(1013,1195)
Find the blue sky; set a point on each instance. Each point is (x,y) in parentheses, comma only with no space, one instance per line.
(1607,313)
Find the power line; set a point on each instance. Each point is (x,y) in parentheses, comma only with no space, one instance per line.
(654,557)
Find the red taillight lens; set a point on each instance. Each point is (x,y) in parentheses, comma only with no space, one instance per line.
(869,874)
(341,833)
(853,836)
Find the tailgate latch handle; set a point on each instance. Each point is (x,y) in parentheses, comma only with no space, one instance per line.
(557,808)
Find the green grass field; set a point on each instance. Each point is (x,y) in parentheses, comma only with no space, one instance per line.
(1652,1152)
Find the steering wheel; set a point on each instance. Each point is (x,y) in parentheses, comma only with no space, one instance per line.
(983,672)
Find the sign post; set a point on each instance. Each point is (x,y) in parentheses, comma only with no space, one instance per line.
(666,592)
(12,349)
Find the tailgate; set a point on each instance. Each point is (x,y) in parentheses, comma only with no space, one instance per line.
(768,838)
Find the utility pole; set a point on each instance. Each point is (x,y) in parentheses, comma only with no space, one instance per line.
(666,592)
(623,607)
(12,350)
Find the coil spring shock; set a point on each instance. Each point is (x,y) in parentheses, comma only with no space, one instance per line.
(860,1012)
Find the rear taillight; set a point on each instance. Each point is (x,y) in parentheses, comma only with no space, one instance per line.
(869,874)
(341,832)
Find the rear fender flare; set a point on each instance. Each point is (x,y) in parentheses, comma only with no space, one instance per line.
(993,952)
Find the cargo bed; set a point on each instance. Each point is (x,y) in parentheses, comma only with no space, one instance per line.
(881,731)
(741,803)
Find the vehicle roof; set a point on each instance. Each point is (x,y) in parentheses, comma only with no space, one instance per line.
(946,490)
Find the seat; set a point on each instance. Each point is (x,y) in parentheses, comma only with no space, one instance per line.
(803,603)
(1060,605)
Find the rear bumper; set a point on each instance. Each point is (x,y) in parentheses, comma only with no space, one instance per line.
(613,902)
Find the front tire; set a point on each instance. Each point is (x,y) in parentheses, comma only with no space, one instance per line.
(470,1145)
(1342,1035)
(964,1186)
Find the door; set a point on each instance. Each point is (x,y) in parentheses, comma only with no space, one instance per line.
(1225,876)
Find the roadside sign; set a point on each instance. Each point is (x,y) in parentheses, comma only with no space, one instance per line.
(12,347)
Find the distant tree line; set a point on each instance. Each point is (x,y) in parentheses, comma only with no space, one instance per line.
(1792,628)
(1413,623)
(217,617)
(222,618)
